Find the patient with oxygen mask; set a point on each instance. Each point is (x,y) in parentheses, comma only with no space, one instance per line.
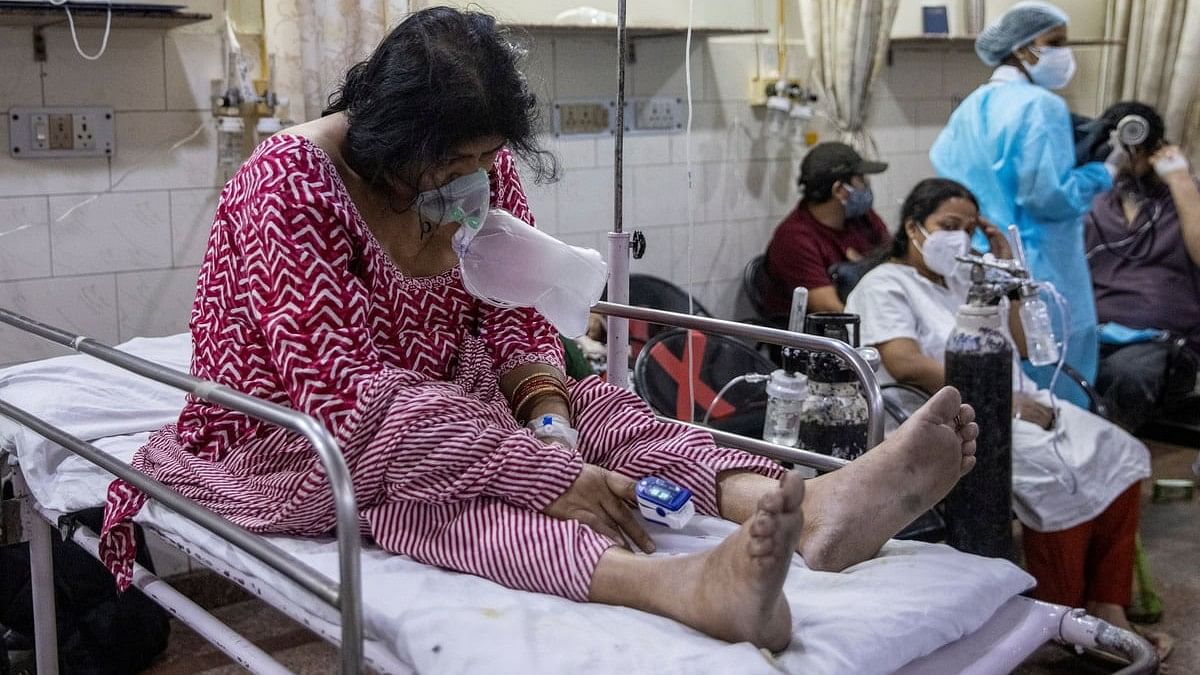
(378,269)
(1075,475)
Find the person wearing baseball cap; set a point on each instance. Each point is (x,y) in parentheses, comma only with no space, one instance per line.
(833,223)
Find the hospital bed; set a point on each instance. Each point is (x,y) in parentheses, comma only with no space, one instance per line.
(76,421)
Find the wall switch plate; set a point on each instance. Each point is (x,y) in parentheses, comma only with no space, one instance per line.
(74,132)
(654,115)
(590,117)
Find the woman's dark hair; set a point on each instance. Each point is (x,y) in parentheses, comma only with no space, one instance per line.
(441,78)
(1118,111)
(819,189)
(922,202)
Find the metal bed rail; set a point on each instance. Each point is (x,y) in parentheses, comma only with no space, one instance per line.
(866,375)
(344,596)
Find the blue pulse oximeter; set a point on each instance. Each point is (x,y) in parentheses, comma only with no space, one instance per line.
(664,502)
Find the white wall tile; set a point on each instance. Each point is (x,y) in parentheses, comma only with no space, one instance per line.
(147,159)
(640,150)
(20,78)
(585,201)
(538,67)
(585,68)
(660,195)
(155,303)
(129,76)
(962,73)
(659,259)
(576,153)
(731,191)
(931,119)
(48,176)
(191,221)
(659,68)
(114,232)
(193,61)
(728,67)
(893,123)
(87,305)
(915,74)
(543,202)
(24,238)
(718,252)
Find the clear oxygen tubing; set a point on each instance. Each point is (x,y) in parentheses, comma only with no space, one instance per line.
(753,378)
(691,207)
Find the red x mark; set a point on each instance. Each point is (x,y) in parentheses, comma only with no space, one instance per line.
(678,370)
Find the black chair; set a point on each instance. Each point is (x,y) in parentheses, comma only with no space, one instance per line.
(661,377)
(654,293)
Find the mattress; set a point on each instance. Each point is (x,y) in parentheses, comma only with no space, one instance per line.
(872,618)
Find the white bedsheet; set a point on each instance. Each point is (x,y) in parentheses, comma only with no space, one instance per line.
(873,618)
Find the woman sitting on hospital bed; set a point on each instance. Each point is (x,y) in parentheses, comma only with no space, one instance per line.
(1077,500)
(328,287)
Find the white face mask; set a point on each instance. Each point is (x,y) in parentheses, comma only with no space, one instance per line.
(1055,67)
(508,263)
(940,249)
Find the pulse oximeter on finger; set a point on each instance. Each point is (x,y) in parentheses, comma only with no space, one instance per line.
(664,502)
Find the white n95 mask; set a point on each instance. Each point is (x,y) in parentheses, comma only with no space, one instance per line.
(463,200)
(940,250)
(508,263)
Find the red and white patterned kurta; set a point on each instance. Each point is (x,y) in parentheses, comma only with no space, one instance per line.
(297,303)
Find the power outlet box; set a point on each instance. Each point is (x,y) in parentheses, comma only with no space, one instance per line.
(591,117)
(654,115)
(61,132)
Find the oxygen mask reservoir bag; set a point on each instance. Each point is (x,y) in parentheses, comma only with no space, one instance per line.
(508,263)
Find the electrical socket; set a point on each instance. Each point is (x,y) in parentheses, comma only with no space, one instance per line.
(61,132)
(84,128)
(583,118)
(654,114)
(62,128)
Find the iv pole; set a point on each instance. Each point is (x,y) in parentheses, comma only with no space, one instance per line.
(618,239)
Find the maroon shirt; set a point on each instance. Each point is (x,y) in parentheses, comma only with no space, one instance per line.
(802,250)
(1151,282)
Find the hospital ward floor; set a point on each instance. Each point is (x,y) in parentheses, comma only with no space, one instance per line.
(1170,534)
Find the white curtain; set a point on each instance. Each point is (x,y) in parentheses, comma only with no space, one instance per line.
(847,43)
(316,41)
(1158,64)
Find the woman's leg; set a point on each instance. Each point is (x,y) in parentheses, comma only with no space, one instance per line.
(619,432)
(1058,561)
(851,512)
(1109,566)
(732,592)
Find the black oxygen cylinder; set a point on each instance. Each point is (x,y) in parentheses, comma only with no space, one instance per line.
(979,364)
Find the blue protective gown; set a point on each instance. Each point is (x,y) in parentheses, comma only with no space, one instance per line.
(1012,144)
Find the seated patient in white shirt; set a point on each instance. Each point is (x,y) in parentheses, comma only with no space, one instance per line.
(1078,503)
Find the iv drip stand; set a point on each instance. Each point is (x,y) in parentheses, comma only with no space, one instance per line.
(618,239)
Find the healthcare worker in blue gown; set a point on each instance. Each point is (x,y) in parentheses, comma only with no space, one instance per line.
(1012,143)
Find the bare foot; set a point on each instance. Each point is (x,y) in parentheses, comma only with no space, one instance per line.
(851,512)
(736,589)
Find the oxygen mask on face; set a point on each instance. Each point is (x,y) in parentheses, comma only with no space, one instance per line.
(507,263)
(463,200)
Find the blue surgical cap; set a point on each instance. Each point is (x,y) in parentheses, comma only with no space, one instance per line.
(1016,28)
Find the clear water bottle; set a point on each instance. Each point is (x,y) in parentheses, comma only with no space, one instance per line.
(1040,346)
(785,397)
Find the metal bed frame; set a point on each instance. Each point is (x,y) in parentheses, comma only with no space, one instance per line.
(1031,623)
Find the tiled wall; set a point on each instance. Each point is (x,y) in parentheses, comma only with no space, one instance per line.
(112,247)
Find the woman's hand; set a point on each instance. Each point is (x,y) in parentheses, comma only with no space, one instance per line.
(997,242)
(1169,160)
(602,500)
(1030,410)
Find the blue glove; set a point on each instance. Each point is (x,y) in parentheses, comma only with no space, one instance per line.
(1116,334)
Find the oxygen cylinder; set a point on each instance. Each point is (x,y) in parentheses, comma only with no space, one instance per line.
(979,363)
(833,420)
